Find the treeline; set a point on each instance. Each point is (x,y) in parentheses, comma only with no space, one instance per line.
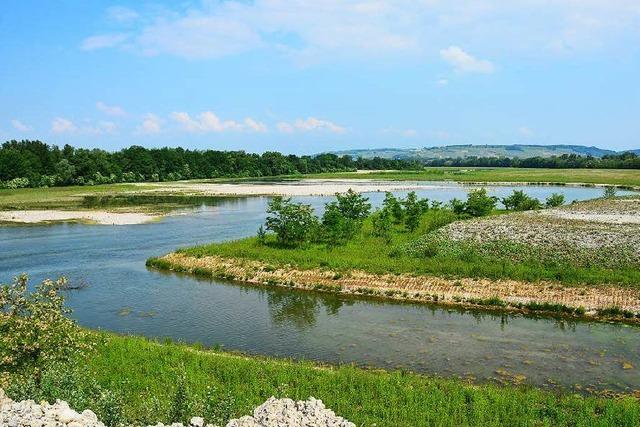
(37,164)
(626,160)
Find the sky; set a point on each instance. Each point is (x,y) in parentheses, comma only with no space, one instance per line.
(318,75)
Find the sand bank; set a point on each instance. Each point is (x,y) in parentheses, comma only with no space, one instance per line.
(98,217)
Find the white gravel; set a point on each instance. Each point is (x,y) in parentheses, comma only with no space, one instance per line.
(305,187)
(98,217)
(273,413)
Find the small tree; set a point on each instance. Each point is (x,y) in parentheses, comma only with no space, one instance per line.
(554,200)
(382,223)
(336,227)
(353,205)
(35,331)
(393,206)
(479,203)
(413,211)
(520,201)
(609,192)
(293,223)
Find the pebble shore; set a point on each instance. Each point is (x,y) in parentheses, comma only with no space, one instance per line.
(273,413)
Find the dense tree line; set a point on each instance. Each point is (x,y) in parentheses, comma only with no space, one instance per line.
(37,164)
(626,160)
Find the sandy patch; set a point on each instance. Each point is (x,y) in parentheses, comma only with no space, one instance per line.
(98,217)
(605,218)
(307,187)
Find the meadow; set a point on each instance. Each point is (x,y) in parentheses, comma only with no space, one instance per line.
(619,177)
(147,381)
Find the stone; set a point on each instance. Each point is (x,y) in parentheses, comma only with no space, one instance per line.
(196,422)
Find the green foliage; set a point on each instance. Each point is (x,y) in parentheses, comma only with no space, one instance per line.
(36,164)
(336,227)
(353,205)
(34,328)
(478,203)
(293,223)
(609,192)
(382,224)
(554,200)
(393,206)
(180,409)
(413,210)
(520,201)
(261,235)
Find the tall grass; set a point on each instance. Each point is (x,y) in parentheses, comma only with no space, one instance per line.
(147,376)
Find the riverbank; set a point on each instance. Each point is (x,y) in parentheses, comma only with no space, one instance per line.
(579,260)
(144,376)
(604,302)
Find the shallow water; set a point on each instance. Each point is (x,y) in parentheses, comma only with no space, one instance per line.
(123,296)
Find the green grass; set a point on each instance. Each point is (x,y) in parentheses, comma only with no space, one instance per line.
(374,255)
(621,177)
(57,197)
(145,374)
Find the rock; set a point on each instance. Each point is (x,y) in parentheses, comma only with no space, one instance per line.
(272,413)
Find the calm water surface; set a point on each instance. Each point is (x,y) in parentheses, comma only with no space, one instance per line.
(123,296)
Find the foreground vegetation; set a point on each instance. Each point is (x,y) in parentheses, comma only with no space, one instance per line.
(136,380)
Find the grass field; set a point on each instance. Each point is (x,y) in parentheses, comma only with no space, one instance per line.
(386,258)
(621,177)
(144,376)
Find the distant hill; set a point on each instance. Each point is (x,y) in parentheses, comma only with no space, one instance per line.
(456,151)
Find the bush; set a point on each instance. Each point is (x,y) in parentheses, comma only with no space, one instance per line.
(34,329)
(16,183)
(520,201)
(382,224)
(336,227)
(393,206)
(609,192)
(554,200)
(353,205)
(413,210)
(293,223)
(478,204)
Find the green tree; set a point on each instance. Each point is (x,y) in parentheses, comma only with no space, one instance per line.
(554,200)
(293,223)
(479,203)
(382,224)
(353,205)
(413,210)
(393,206)
(520,201)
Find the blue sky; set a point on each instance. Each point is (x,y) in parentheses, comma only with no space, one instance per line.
(309,76)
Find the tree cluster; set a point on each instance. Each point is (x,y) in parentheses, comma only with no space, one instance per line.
(37,164)
(627,160)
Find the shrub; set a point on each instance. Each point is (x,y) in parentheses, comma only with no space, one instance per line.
(609,192)
(34,329)
(554,200)
(478,203)
(353,205)
(393,206)
(293,223)
(520,201)
(381,222)
(336,227)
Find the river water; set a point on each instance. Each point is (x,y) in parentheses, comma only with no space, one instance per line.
(122,295)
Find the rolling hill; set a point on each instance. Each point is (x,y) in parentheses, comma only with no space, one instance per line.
(461,151)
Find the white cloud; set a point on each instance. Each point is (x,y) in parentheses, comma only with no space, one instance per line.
(150,125)
(20,126)
(62,125)
(110,110)
(463,62)
(103,41)
(309,124)
(313,31)
(122,14)
(285,127)
(208,121)
(442,82)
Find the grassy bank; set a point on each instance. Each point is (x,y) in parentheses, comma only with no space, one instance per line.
(145,375)
(387,257)
(620,177)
